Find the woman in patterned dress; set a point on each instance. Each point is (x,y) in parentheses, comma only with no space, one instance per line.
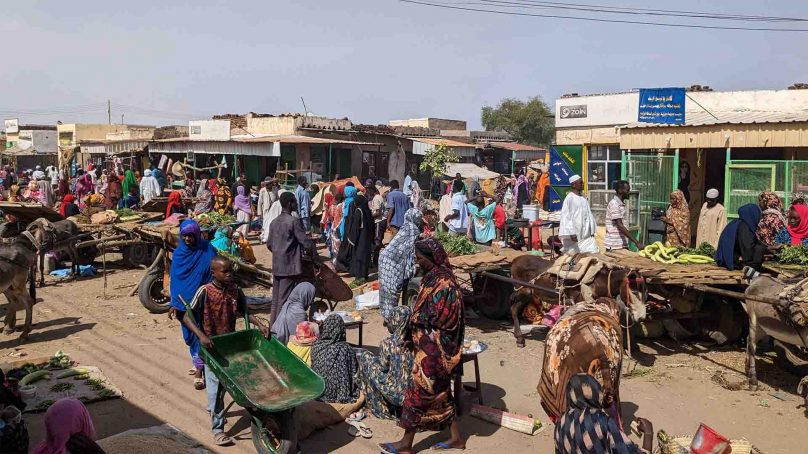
(677,219)
(437,327)
(772,219)
(384,378)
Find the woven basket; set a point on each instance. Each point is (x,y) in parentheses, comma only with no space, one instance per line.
(681,445)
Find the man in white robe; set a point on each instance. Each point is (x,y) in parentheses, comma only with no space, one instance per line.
(274,211)
(712,220)
(577,224)
(149,187)
(266,197)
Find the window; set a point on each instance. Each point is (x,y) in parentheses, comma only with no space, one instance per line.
(604,163)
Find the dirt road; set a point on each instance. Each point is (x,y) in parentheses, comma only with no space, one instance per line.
(143,354)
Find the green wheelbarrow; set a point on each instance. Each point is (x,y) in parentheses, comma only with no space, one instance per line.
(265,378)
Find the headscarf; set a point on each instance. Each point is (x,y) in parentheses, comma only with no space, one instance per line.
(519,182)
(772,220)
(800,232)
(241,201)
(397,261)
(174,200)
(68,199)
(66,417)
(415,197)
(434,251)
(190,265)
(328,199)
(293,311)
(798,198)
(212,186)
(586,428)
(399,323)
(205,197)
(129,181)
(350,193)
(678,215)
(748,218)
(334,360)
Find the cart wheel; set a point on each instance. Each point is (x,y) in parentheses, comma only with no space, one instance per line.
(138,254)
(150,292)
(790,360)
(276,435)
(411,293)
(727,323)
(495,303)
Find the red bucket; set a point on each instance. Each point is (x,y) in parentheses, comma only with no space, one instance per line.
(708,441)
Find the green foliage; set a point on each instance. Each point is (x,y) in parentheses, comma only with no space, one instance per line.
(793,255)
(530,121)
(437,159)
(705,249)
(456,244)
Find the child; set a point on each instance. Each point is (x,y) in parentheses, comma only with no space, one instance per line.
(216,306)
(132,200)
(300,344)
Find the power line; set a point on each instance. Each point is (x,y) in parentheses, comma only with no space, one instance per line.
(593,19)
(630,10)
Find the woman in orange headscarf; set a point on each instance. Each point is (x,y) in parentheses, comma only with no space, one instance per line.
(541,189)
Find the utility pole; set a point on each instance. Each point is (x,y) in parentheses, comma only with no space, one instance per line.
(109,111)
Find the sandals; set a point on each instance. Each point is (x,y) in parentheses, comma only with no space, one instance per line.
(443,446)
(387,448)
(199,384)
(359,429)
(221,439)
(357,416)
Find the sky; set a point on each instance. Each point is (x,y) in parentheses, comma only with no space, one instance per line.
(166,62)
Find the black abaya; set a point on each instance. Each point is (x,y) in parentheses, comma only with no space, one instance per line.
(357,245)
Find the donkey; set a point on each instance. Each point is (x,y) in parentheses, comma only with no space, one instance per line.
(608,283)
(17,268)
(57,237)
(766,320)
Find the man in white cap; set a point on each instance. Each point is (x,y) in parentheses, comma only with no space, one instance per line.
(712,220)
(577,224)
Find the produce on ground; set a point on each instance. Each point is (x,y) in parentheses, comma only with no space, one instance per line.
(44,405)
(60,360)
(72,372)
(60,387)
(793,255)
(34,376)
(456,244)
(658,252)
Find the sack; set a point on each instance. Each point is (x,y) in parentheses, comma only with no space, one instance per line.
(798,313)
(104,217)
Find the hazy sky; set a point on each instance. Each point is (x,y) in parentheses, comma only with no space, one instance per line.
(370,60)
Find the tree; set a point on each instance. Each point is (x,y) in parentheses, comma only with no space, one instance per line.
(437,159)
(530,121)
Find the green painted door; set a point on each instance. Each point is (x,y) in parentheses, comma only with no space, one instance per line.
(654,176)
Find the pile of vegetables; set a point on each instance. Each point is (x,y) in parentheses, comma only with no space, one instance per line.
(793,255)
(658,252)
(456,244)
(126,212)
(215,219)
(705,249)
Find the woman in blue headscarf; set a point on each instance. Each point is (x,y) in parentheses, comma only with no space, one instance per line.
(350,192)
(738,245)
(190,269)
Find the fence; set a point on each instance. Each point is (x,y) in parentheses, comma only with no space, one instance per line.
(653,175)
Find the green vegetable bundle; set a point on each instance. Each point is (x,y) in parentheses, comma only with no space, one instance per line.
(456,244)
(215,219)
(705,249)
(793,255)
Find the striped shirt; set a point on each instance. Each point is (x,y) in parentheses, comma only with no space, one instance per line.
(616,209)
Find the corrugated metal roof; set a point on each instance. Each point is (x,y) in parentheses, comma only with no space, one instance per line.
(274,139)
(730,117)
(513,146)
(30,151)
(444,142)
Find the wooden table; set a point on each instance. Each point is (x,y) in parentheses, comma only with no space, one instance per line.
(458,381)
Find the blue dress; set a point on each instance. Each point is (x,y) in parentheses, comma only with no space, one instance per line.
(783,237)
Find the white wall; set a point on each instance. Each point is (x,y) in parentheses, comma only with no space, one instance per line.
(45,141)
(209,129)
(622,108)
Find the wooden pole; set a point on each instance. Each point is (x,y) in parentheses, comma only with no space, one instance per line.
(731,294)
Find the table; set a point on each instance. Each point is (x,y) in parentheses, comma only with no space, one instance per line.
(458,381)
(357,324)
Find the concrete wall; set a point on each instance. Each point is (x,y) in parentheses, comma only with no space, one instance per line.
(437,123)
(85,131)
(623,108)
(209,129)
(45,141)
(145,133)
(271,125)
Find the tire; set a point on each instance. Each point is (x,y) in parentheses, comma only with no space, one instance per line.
(276,435)
(150,292)
(138,254)
(497,298)
(728,323)
(788,359)
(411,293)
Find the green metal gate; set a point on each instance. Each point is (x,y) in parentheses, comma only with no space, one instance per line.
(655,177)
(745,180)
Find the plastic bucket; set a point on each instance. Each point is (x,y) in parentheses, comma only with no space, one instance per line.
(530,212)
(708,441)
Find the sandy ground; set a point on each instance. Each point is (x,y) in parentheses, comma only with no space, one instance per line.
(143,354)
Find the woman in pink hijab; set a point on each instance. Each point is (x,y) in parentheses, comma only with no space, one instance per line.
(67,422)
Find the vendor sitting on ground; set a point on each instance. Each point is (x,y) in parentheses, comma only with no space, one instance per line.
(300,343)
(216,306)
(796,230)
(384,378)
(294,311)
(738,245)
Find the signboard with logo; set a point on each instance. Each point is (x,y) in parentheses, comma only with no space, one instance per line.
(662,105)
(12,126)
(578,111)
